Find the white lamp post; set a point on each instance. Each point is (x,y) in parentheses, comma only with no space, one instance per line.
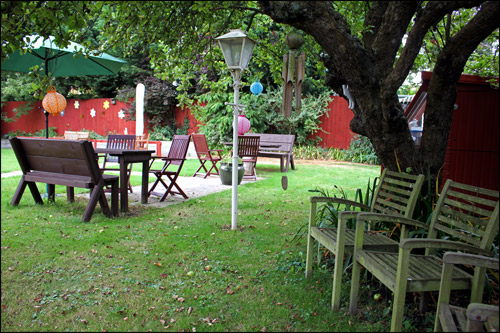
(237,49)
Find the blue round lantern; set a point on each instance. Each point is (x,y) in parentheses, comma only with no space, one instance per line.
(256,88)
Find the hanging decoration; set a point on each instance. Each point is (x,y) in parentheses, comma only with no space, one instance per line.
(243,124)
(53,102)
(256,87)
(293,73)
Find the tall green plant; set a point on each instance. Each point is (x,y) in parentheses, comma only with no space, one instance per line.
(264,113)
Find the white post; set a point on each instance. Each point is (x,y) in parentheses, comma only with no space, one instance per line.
(139,109)
(234,210)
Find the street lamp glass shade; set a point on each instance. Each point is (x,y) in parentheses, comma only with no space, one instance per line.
(237,49)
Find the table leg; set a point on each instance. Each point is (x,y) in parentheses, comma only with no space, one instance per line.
(145,180)
(123,184)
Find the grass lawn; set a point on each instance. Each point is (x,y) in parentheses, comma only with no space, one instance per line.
(177,268)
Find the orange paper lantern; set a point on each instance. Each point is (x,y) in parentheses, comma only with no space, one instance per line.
(54,103)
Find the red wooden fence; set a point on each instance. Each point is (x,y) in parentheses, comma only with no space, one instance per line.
(103,117)
(99,115)
(335,124)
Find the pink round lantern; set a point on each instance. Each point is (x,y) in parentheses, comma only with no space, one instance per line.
(243,124)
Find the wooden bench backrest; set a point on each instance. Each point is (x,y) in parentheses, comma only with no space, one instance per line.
(285,141)
(467,214)
(397,193)
(71,157)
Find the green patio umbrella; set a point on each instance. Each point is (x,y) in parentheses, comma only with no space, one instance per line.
(60,61)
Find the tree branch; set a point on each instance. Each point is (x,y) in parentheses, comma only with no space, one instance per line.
(430,15)
(392,28)
(373,21)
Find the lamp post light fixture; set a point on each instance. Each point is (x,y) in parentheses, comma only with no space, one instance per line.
(237,49)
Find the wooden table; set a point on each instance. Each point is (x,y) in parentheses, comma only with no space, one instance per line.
(125,157)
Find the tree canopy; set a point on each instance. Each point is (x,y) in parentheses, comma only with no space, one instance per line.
(372,47)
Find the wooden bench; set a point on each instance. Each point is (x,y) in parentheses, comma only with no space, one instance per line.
(277,146)
(71,135)
(71,163)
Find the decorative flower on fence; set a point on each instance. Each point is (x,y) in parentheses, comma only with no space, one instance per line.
(92,112)
(105,105)
(121,114)
(77,104)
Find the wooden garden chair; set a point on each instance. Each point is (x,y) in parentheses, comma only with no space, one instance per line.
(396,194)
(248,149)
(118,141)
(465,219)
(476,316)
(171,168)
(206,155)
(142,141)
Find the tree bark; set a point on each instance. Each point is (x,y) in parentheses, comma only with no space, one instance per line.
(374,72)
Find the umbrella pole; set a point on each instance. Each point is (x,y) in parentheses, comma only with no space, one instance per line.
(50,193)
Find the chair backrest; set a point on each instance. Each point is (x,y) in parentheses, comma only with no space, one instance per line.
(142,141)
(119,141)
(248,146)
(397,193)
(178,149)
(72,135)
(465,213)
(200,144)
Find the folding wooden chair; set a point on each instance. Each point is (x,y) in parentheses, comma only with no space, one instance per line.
(248,148)
(206,155)
(118,141)
(176,157)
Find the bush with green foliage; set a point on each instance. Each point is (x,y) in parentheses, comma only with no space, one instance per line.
(360,151)
(264,113)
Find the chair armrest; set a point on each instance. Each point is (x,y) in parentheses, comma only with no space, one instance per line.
(481,312)
(413,243)
(317,199)
(172,159)
(470,259)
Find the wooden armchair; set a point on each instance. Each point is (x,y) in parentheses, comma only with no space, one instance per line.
(396,194)
(476,316)
(465,219)
(206,155)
